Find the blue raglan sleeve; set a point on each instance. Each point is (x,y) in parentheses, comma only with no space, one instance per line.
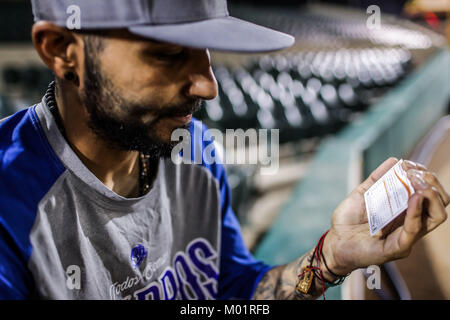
(239,272)
(14,277)
(27,172)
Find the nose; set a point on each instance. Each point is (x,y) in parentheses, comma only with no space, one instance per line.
(202,83)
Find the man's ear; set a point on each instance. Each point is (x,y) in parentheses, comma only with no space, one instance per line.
(60,49)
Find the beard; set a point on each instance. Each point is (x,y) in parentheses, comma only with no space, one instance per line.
(116,121)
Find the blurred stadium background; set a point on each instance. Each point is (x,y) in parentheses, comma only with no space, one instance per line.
(345,97)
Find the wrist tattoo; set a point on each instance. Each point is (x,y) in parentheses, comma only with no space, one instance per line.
(281,282)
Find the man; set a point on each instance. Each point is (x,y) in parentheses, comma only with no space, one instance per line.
(93,207)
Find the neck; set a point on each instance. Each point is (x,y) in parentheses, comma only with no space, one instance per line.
(117,169)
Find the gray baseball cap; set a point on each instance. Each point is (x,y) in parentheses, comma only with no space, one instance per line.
(191,23)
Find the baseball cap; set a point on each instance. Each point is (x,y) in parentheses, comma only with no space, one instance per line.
(191,23)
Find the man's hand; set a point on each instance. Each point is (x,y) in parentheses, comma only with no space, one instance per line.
(349,246)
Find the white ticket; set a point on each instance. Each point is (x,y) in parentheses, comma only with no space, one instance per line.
(387,198)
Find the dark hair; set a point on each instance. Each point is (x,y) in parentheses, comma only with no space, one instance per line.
(94,41)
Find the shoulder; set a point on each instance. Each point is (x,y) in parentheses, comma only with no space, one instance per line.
(24,147)
(27,172)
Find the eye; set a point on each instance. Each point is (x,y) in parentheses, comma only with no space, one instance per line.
(171,56)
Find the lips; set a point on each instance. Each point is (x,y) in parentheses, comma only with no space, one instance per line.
(182,119)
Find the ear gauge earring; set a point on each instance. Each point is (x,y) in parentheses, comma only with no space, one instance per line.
(69,76)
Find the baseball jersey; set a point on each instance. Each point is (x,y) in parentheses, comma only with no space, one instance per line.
(65,235)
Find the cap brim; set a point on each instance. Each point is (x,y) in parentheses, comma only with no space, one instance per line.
(222,34)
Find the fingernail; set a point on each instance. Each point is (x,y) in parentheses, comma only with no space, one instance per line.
(417,179)
(410,164)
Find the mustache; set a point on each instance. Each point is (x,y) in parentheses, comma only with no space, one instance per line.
(180,110)
(177,110)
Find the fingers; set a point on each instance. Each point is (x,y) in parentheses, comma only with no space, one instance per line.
(400,242)
(433,210)
(425,213)
(377,174)
(431,179)
(408,164)
(422,175)
(413,223)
